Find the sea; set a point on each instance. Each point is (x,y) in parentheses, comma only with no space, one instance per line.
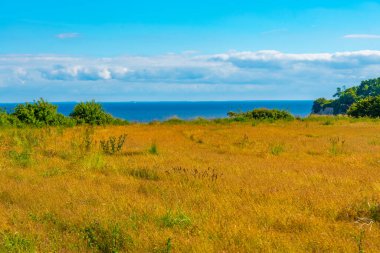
(151,111)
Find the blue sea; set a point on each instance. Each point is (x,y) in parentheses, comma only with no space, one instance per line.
(149,111)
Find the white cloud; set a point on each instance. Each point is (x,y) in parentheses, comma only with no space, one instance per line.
(82,73)
(67,35)
(262,74)
(362,36)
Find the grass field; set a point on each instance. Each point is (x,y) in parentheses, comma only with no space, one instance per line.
(299,186)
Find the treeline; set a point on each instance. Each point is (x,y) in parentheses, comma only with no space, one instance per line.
(42,113)
(357,101)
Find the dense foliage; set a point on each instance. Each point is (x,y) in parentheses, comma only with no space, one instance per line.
(367,107)
(7,119)
(320,104)
(261,114)
(40,113)
(91,113)
(345,98)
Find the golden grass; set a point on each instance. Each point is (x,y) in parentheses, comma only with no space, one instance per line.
(280,187)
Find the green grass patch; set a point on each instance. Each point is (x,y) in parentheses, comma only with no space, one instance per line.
(15,242)
(170,220)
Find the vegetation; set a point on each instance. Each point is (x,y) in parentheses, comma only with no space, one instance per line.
(242,188)
(261,114)
(366,107)
(42,113)
(320,104)
(91,113)
(8,120)
(113,146)
(357,101)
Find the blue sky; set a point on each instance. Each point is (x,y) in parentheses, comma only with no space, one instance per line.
(185,50)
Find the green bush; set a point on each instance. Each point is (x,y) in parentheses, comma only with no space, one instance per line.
(261,114)
(40,113)
(367,107)
(7,119)
(91,113)
(111,146)
(107,239)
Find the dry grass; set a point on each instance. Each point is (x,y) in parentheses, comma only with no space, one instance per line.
(284,187)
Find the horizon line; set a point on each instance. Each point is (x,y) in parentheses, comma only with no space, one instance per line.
(165,101)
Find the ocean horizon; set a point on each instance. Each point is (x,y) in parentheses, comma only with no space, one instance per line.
(163,110)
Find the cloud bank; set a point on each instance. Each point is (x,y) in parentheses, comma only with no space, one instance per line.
(233,75)
(362,36)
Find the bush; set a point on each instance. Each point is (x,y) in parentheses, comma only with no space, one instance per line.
(367,107)
(40,113)
(91,113)
(261,114)
(107,239)
(111,146)
(7,119)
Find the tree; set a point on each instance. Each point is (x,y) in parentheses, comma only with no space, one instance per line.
(369,88)
(345,99)
(366,107)
(320,104)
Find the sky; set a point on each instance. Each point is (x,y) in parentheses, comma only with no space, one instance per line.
(124,50)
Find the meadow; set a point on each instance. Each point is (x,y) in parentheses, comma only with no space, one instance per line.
(308,185)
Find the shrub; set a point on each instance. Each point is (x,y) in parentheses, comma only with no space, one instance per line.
(153,150)
(91,113)
(40,113)
(367,107)
(106,239)
(7,119)
(111,146)
(261,114)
